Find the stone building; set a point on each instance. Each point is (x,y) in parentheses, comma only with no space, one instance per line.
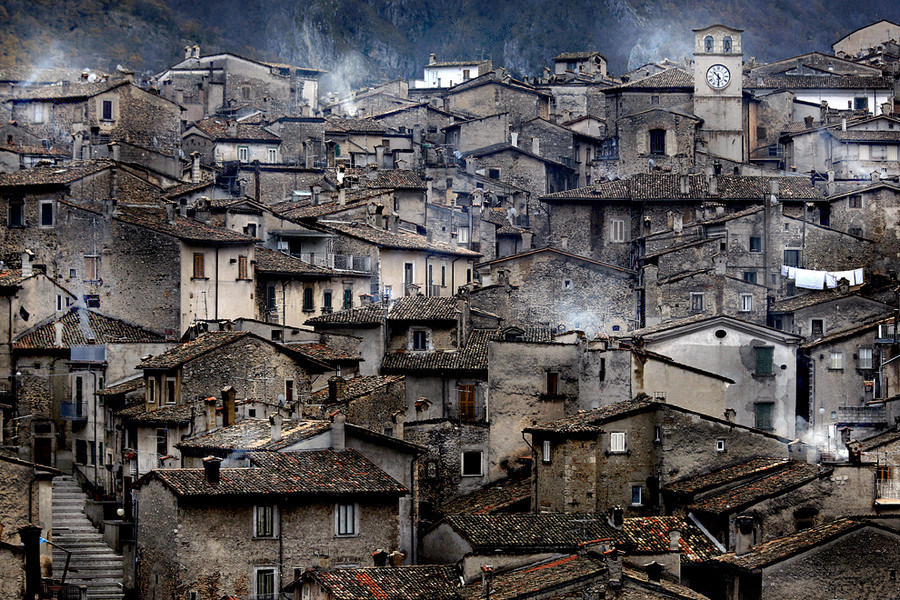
(220,140)
(446,74)
(26,498)
(485,94)
(236,530)
(586,63)
(863,38)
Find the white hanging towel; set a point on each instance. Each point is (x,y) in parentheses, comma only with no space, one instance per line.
(810,280)
(855,277)
(784,270)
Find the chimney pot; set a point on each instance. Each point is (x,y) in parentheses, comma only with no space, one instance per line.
(276,420)
(336,387)
(617,517)
(170,213)
(27,269)
(338,432)
(211,465)
(228,408)
(743,542)
(58,334)
(487,578)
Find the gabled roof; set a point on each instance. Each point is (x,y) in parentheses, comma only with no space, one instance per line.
(75,91)
(84,327)
(865,27)
(650,535)
(132,385)
(313,473)
(775,551)
(692,324)
(179,355)
(54,175)
(356,387)
(278,263)
(182,228)
(783,480)
(700,483)
(673,79)
(835,336)
(253,435)
(471,358)
(528,532)
(560,575)
(423,308)
(335,124)
(492,498)
(577,56)
(395,241)
(407,582)
(425,105)
(220,129)
(167,414)
(882,439)
(561,253)
(368,315)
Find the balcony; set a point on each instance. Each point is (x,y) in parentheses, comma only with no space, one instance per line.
(887,491)
(73,411)
(862,416)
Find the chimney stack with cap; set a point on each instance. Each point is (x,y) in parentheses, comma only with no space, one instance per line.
(211,466)
(27,269)
(338,433)
(195,167)
(654,572)
(617,517)
(210,406)
(228,408)
(336,387)
(487,579)
(743,541)
(276,420)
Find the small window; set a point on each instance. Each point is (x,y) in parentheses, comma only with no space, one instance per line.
(792,258)
(309,303)
(346,521)
(420,340)
(657,141)
(720,445)
(264,521)
(657,433)
(755,243)
(750,276)
(746,302)
(162,442)
(265,584)
(466,398)
(817,327)
(250,229)
(765,356)
(270,298)
(47,217)
(348,299)
(243,153)
(696,302)
(170,390)
(327,301)
(617,231)
(763,415)
(92,300)
(16,213)
(199,265)
(545,451)
(637,495)
(472,463)
(107,110)
(654,100)
(151,391)
(836,360)
(462,235)
(242,267)
(861,103)
(617,441)
(865,358)
(91,268)
(494,173)
(854,201)
(277,335)
(272,155)
(552,383)
(408,274)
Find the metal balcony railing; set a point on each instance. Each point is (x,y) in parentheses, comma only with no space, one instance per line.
(888,489)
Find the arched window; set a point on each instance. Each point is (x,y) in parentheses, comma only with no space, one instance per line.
(708,44)
(726,44)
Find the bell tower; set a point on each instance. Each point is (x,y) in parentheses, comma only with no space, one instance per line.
(718,90)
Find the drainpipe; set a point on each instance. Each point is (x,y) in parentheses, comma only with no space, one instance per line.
(216,306)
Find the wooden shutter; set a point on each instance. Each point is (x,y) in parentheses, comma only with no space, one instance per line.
(466,402)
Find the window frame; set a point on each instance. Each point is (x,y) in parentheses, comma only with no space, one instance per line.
(697,302)
(755,243)
(104,104)
(463,463)
(865,363)
(243,266)
(637,491)
(546,456)
(414,336)
(348,299)
(243,154)
(466,401)
(794,254)
(264,595)
(766,423)
(162,440)
(91,271)
(309,299)
(855,201)
(340,518)
(265,514)
(199,266)
(656,142)
(720,444)
(19,212)
(836,360)
(41,206)
(617,230)
(618,442)
(759,351)
(746,302)
(171,390)
(272,155)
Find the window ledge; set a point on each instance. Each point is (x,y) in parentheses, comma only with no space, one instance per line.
(346,535)
(199,278)
(260,537)
(618,452)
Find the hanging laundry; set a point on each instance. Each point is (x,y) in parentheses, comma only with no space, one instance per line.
(855,277)
(810,280)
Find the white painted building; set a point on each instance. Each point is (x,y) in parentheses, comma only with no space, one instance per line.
(448,74)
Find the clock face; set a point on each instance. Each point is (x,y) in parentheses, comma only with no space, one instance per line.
(718,76)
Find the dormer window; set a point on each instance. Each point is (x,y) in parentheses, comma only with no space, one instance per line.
(708,44)
(726,44)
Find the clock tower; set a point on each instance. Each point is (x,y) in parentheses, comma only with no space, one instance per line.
(718,90)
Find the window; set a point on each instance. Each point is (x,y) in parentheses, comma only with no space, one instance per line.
(836,360)
(16,213)
(107,111)
(243,153)
(755,243)
(265,584)
(443,275)
(462,235)
(617,230)
(617,441)
(348,299)
(250,229)
(78,392)
(817,327)
(657,141)
(696,302)
(746,302)
(288,390)
(765,356)
(420,340)
(308,300)
(346,521)
(471,463)
(46,213)
(407,274)
(242,267)
(750,276)
(865,358)
(726,44)
(494,173)
(545,451)
(466,398)
(637,495)
(654,99)
(38,112)
(854,201)
(199,265)
(720,445)
(657,433)
(81,451)
(151,391)
(162,442)
(466,74)
(272,155)
(861,103)
(326,301)
(264,521)
(277,335)
(792,258)
(92,300)
(552,383)
(763,415)
(170,390)
(708,44)
(91,268)
(270,298)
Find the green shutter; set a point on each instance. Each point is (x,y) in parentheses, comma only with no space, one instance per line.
(764,359)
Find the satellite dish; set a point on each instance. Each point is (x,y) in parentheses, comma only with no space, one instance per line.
(280,399)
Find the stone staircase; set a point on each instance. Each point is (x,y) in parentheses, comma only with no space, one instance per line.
(94,564)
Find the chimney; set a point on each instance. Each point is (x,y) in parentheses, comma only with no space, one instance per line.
(393,222)
(526,240)
(487,578)
(470,165)
(228,416)
(730,414)
(276,420)
(808,121)
(372,172)
(514,139)
(195,167)
(713,186)
(379,558)
(396,557)
(432,58)
(399,418)
(187,52)
(617,517)
(170,213)
(614,567)
(337,431)
(232,129)
(210,406)
(27,269)
(211,465)
(336,387)
(195,52)
(743,535)
(844,124)
(536,146)
(342,197)
(58,334)
(675,540)
(379,159)
(654,572)
(454,240)
(685,185)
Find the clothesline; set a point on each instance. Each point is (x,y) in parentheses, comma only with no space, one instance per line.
(820,280)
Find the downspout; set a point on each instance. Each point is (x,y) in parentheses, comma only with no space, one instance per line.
(216,308)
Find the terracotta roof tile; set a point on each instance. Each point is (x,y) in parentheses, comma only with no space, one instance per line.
(817,82)
(590,421)
(525,582)
(423,308)
(270,261)
(252,435)
(356,387)
(400,240)
(370,314)
(650,535)
(182,227)
(168,414)
(861,135)
(132,385)
(529,532)
(54,174)
(493,498)
(73,91)
(471,358)
(663,589)
(324,353)
(783,480)
(670,78)
(882,439)
(12,277)
(707,481)
(222,129)
(83,327)
(313,473)
(407,582)
(188,351)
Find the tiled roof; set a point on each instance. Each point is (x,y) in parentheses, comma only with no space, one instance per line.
(352,125)
(841,334)
(493,498)
(400,240)
(323,353)
(882,439)
(575,56)
(182,227)
(356,387)
(384,178)
(188,351)
(471,358)
(12,277)
(313,473)
(650,535)
(785,479)
(30,73)
(778,550)
(370,314)
(168,414)
(664,589)
(132,385)
(862,135)
(529,532)
(186,188)
(670,78)
(253,435)
(589,421)
(423,308)
(53,174)
(743,470)
(542,578)
(532,334)
(34,150)
(407,582)
(222,129)
(270,261)
(83,327)
(818,82)
(507,147)
(69,92)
